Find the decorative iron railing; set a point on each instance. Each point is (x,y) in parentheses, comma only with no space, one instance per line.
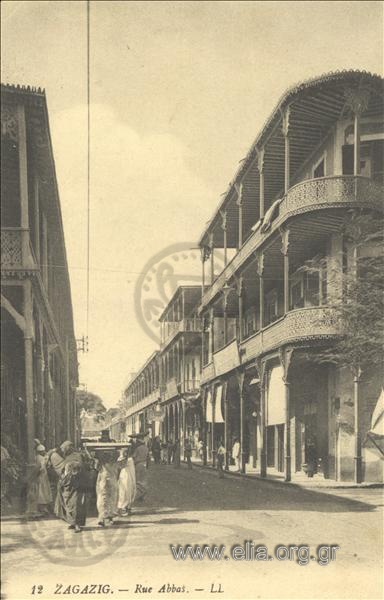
(306,196)
(11,247)
(185,325)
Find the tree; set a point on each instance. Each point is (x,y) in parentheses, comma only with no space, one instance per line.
(356,295)
(91,403)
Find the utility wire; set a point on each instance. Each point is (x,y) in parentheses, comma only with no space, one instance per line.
(88,159)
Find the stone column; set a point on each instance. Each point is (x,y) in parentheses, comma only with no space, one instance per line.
(263,427)
(357,101)
(226,413)
(260,273)
(285,359)
(240,380)
(287,437)
(212,255)
(224,228)
(28,367)
(356,399)
(37,218)
(285,128)
(240,293)
(213,450)
(284,250)
(23,184)
(239,202)
(260,165)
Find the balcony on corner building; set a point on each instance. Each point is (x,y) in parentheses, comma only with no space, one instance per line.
(305,197)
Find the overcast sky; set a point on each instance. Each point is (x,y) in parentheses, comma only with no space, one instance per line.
(179,90)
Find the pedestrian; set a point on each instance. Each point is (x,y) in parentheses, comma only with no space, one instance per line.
(220,459)
(33,485)
(70,500)
(200,450)
(176,454)
(127,482)
(236,454)
(156,450)
(169,452)
(73,494)
(107,487)
(188,452)
(148,442)
(140,456)
(44,493)
(163,453)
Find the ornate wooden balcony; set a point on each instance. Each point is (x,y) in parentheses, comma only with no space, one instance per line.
(185,325)
(298,325)
(310,195)
(11,248)
(16,250)
(152,398)
(304,324)
(208,372)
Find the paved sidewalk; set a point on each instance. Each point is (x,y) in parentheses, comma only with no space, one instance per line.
(298,479)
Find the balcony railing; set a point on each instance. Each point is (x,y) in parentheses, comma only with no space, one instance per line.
(185,325)
(147,401)
(312,194)
(11,247)
(170,389)
(191,385)
(297,325)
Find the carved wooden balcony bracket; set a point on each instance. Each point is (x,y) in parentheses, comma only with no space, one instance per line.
(357,99)
(285,121)
(260,159)
(285,355)
(239,191)
(223,214)
(284,233)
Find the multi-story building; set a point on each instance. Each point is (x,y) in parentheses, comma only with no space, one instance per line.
(38,353)
(180,359)
(141,400)
(265,316)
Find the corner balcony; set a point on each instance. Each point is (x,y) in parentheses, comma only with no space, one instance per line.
(300,325)
(183,326)
(306,196)
(16,251)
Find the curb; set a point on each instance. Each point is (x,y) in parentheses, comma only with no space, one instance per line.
(356,486)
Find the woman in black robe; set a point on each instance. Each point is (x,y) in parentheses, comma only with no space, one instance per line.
(73,487)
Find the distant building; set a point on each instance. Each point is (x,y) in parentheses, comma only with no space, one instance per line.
(180,360)
(141,399)
(38,348)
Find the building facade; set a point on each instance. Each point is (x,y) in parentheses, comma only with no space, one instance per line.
(141,401)
(319,155)
(240,355)
(180,360)
(39,372)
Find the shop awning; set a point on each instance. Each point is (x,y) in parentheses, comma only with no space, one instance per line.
(218,400)
(209,407)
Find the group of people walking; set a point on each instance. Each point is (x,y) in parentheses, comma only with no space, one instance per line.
(69,479)
(169,452)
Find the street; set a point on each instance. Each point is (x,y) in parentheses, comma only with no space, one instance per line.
(133,558)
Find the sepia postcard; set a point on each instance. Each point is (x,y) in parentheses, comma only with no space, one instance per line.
(192,300)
